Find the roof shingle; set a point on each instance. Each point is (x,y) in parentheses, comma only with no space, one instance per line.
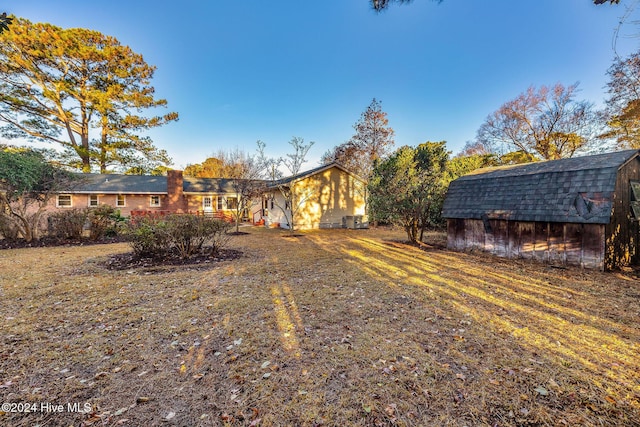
(577,190)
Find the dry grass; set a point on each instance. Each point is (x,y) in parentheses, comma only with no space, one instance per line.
(334,327)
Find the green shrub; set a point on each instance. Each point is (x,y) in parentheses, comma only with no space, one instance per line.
(218,235)
(148,237)
(179,235)
(104,220)
(68,224)
(8,229)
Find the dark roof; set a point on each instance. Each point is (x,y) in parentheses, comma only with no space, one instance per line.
(577,190)
(119,184)
(302,175)
(208,185)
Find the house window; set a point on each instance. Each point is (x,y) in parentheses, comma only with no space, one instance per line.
(154,201)
(287,205)
(64,201)
(232,202)
(220,203)
(93,200)
(121,201)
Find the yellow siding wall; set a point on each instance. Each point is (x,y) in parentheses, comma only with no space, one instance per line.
(328,197)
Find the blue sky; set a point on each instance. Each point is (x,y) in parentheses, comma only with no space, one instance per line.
(239,71)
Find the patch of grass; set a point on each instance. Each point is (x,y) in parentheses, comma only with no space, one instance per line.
(335,327)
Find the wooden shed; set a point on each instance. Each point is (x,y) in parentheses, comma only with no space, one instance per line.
(580,211)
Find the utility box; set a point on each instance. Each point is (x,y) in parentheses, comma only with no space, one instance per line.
(355,222)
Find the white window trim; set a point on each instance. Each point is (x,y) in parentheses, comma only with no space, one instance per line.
(58,205)
(124,201)
(154,205)
(97,201)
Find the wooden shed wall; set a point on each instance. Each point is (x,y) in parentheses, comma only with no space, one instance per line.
(623,230)
(557,243)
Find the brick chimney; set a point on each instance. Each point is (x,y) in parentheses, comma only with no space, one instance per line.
(176,200)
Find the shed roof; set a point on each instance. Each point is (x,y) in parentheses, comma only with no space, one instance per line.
(119,184)
(576,190)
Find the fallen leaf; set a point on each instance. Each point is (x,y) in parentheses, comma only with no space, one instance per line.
(266,375)
(461,377)
(265,364)
(120,411)
(541,390)
(170,416)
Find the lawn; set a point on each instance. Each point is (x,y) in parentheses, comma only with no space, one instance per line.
(334,327)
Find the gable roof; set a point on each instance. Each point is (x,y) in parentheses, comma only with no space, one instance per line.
(577,190)
(302,175)
(118,184)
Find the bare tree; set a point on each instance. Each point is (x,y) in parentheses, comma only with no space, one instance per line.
(380,5)
(372,141)
(293,196)
(623,104)
(245,172)
(547,123)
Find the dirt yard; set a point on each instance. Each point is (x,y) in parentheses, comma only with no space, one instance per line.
(332,328)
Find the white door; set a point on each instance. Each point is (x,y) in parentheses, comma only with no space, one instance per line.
(207,203)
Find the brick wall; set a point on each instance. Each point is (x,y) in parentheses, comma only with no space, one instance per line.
(176,200)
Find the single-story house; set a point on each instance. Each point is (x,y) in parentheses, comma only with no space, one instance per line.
(581,211)
(325,195)
(328,196)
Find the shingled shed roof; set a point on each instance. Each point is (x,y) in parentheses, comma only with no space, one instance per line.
(577,190)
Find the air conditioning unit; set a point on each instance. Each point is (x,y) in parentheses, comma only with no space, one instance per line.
(355,221)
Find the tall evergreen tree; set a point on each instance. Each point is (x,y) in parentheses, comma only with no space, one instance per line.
(63,85)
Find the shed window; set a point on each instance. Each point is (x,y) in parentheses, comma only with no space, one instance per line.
(154,201)
(93,200)
(121,201)
(635,199)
